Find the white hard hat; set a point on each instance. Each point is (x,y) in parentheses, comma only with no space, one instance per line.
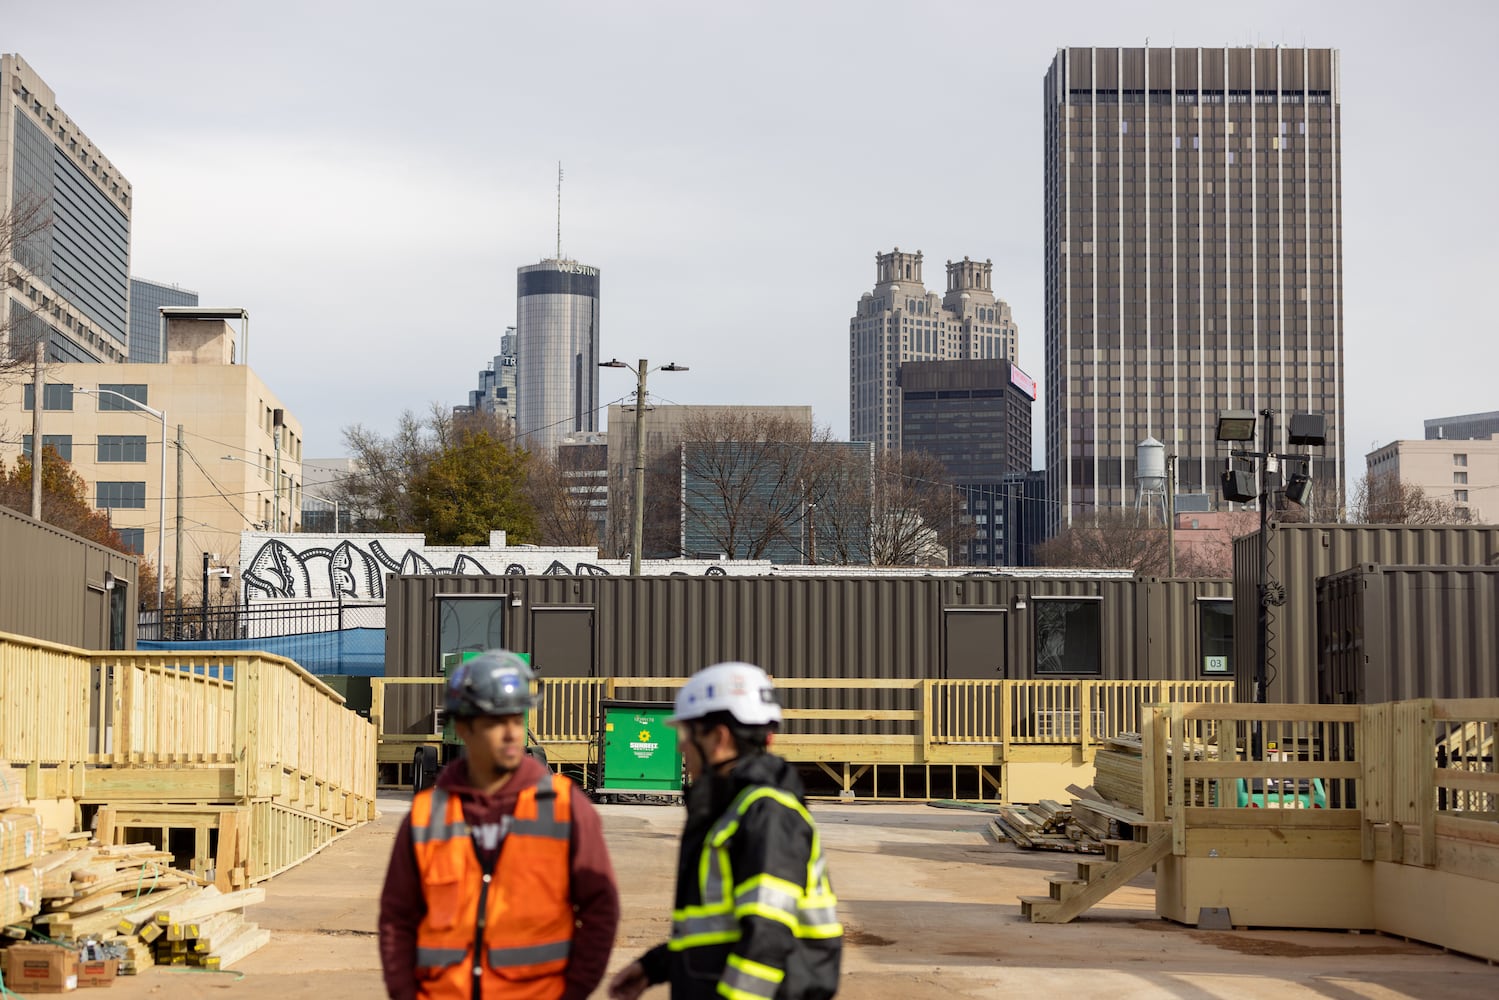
(741,689)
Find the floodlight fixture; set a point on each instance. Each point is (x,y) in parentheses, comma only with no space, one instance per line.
(1236,425)
(1308,430)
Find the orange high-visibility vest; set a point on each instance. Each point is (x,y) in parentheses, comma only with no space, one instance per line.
(522,911)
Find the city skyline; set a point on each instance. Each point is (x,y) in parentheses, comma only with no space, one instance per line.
(702,185)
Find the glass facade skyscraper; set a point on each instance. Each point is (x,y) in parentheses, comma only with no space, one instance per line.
(69,280)
(146,297)
(557,352)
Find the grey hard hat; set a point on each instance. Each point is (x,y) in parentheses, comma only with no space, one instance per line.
(496,682)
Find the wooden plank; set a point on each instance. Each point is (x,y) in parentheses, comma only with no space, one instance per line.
(1482,831)
(1467,781)
(1328,819)
(1239,711)
(252,941)
(207,904)
(1226,769)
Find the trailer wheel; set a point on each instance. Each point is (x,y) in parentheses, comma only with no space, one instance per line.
(423,769)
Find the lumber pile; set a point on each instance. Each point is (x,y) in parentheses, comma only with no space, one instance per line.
(120,906)
(1045,826)
(1119,770)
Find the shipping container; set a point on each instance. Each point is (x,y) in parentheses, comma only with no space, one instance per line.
(1392,633)
(979,627)
(60,587)
(1301,554)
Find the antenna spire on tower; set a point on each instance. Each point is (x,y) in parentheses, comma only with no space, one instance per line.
(559,209)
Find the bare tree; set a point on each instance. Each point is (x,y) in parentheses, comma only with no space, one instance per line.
(563,502)
(378,492)
(750,479)
(24,232)
(1110,539)
(1383,498)
(899,511)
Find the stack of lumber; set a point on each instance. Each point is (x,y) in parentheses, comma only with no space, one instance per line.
(1119,767)
(208,931)
(127,896)
(1045,826)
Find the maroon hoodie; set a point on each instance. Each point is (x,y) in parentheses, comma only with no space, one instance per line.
(595,896)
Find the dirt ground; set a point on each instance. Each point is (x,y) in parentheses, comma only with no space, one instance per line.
(928,903)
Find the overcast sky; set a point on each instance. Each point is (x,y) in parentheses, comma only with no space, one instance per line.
(365,178)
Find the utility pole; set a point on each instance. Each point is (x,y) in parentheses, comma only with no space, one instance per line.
(1171,516)
(637,533)
(178,589)
(278,417)
(36,430)
(204,634)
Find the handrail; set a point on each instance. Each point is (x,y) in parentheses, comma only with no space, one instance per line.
(952,713)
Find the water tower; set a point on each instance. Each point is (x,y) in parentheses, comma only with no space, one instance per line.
(1150,477)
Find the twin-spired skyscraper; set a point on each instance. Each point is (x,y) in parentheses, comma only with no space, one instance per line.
(1194,253)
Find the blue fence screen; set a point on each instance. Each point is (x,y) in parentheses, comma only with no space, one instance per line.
(359,652)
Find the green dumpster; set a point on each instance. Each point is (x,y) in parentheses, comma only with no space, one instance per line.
(638,750)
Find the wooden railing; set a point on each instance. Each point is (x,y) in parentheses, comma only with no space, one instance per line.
(285,734)
(1408,784)
(935,713)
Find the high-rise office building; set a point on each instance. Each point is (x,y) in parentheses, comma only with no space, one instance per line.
(147,328)
(557,352)
(1193,216)
(901,321)
(66,281)
(975,418)
(1467,427)
(496,393)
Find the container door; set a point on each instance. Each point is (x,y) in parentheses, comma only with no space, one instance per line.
(562,642)
(974,640)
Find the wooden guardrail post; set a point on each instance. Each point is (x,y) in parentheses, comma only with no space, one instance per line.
(1424,754)
(926,718)
(1085,691)
(246,730)
(1005,720)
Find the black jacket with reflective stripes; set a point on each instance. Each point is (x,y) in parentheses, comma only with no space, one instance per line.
(768,930)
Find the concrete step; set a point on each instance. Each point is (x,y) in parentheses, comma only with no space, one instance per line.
(1064,888)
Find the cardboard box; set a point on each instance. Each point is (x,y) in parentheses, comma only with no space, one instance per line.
(100,973)
(40,968)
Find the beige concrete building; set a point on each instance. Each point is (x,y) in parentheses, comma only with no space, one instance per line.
(66,265)
(1466,473)
(226,419)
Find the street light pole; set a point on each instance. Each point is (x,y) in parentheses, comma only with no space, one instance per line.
(637,531)
(1262,622)
(161,522)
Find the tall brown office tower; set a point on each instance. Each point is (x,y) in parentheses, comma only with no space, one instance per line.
(1193,260)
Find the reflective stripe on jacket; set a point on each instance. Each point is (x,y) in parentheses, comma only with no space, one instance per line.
(712,925)
(521,912)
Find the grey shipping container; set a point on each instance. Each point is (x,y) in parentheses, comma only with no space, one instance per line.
(810,627)
(1300,554)
(60,587)
(1388,633)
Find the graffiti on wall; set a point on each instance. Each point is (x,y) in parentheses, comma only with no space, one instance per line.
(312,566)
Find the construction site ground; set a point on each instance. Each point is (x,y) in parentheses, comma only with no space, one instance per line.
(928,901)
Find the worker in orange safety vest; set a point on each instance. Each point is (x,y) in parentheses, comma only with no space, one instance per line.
(499,885)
